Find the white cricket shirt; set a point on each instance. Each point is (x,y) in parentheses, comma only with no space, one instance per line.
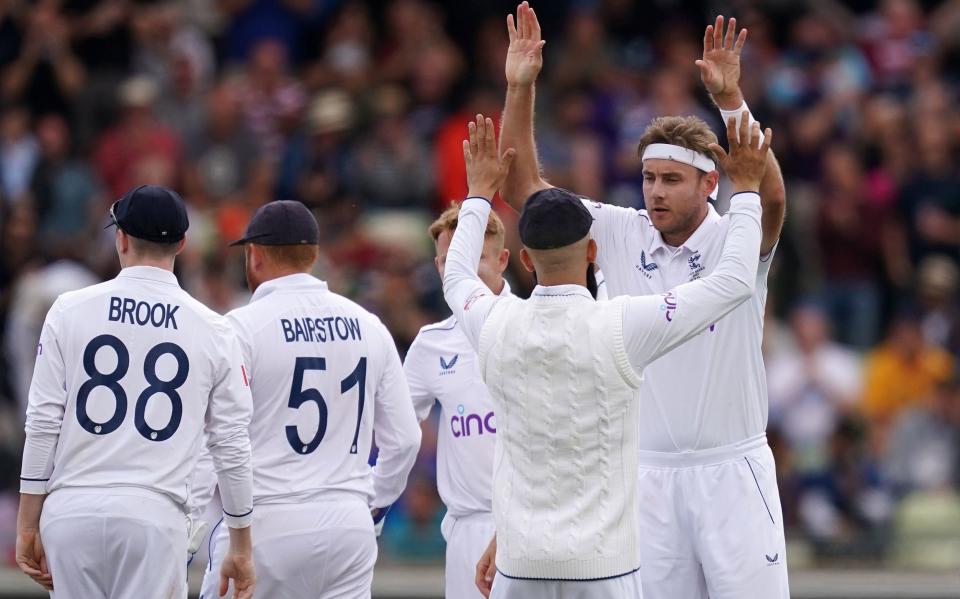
(441,367)
(325,376)
(564,372)
(130,373)
(711,391)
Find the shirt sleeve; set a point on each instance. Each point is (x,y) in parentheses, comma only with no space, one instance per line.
(468,297)
(655,324)
(609,229)
(227,428)
(395,427)
(46,403)
(414,369)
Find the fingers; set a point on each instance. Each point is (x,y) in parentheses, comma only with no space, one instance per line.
(704,68)
(741,40)
(732,139)
(719,151)
(767,140)
(511,29)
(481,571)
(467,155)
(472,134)
(522,21)
(507,159)
(490,142)
(744,135)
(708,39)
(731,31)
(534,25)
(224,585)
(718,33)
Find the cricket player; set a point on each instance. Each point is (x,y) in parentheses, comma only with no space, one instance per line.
(710,516)
(565,371)
(130,375)
(441,367)
(325,375)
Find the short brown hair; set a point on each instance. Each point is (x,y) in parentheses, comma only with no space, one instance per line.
(450,217)
(153,249)
(689,132)
(301,256)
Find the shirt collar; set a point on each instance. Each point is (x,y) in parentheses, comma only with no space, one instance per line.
(149,273)
(547,291)
(695,241)
(294,281)
(506,289)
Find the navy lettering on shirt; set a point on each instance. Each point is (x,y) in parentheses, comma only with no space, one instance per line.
(130,311)
(320,330)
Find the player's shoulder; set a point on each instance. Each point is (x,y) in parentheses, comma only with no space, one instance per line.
(436,332)
(75,299)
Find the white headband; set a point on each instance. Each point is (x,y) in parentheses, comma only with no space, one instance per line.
(682,155)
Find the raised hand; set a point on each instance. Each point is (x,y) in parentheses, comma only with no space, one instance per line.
(720,65)
(747,160)
(525,54)
(486,171)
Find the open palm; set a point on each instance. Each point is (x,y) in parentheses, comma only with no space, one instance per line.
(525,54)
(720,65)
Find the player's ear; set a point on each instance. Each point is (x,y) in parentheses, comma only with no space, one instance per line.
(591,251)
(710,182)
(526,261)
(182,244)
(504,260)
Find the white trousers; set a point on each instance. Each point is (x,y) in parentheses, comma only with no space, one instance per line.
(467,538)
(114,544)
(627,586)
(711,524)
(318,550)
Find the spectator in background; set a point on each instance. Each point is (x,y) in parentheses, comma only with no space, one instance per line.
(929,201)
(896,40)
(346,58)
(812,386)
(45,74)
(846,508)
(19,153)
(224,164)
(139,149)
(901,372)
(937,282)
(272,99)
(315,163)
(66,194)
(416,536)
(850,234)
(923,452)
(391,167)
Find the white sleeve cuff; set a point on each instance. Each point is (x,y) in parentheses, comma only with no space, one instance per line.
(33,487)
(241,521)
(737,113)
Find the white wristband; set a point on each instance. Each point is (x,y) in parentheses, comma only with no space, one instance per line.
(737,113)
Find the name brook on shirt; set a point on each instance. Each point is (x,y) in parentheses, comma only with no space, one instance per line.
(125,309)
(321,330)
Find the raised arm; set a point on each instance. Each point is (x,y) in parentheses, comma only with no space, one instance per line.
(720,73)
(655,324)
(467,295)
(524,61)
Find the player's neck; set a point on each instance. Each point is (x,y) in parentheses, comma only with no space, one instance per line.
(678,238)
(162,264)
(563,278)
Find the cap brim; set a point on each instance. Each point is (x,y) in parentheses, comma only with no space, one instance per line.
(246,240)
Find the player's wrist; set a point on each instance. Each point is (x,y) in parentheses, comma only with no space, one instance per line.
(520,86)
(729,100)
(483,194)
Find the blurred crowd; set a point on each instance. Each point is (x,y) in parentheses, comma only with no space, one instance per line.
(357,109)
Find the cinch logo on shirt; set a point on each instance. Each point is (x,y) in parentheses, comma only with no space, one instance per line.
(471,424)
(447,367)
(646,267)
(669,305)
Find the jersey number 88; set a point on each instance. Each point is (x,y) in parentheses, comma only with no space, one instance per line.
(111,380)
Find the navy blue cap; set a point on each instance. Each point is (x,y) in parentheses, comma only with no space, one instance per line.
(283,222)
(553,218)
(151,212)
